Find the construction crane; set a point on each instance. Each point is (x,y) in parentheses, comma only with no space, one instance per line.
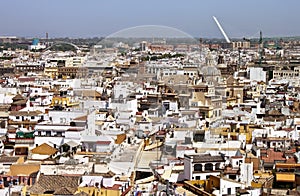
(221,29)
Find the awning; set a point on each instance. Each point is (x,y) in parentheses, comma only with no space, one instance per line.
(285,177)
(145,180)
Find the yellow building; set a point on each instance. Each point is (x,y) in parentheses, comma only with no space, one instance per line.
(234,131)
(63,102)
(51,72)
(116,190)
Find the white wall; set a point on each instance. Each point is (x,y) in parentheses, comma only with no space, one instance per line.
(226,184)
(64,116)
(257,74)
(49,140)
(108,182)
(247,173)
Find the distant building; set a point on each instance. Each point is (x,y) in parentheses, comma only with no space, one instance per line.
(36,45)
(9,39)
(279,74)
(236,45)
(201,166)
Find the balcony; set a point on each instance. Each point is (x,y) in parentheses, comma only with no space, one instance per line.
(23,122)
(24,140)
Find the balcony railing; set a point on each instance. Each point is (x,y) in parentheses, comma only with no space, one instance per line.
(24,140)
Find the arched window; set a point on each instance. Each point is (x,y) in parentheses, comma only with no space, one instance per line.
(209,166)
(218,165)
(198,167)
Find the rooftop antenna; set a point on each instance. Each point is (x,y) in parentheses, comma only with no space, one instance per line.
(221,29)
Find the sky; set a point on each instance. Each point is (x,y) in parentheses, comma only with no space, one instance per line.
(101,18)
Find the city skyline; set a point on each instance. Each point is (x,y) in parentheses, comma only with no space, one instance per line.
(100,19)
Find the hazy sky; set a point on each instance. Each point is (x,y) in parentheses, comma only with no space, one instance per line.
(89,18)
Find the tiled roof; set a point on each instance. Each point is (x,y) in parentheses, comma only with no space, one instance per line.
(18,97)
(26,79)
(19,102)
(291,160)
(65,191)
(103,142)
(23,169)
(204,158)
(273,156)
(25,113)
(81,118)
(6,159)
(55,183)
(44,149)
(275,113)
(87,93)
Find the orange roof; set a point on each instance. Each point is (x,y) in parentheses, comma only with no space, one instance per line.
(23,169)
(291,160)
(273,156)
(287,165)
(44,149)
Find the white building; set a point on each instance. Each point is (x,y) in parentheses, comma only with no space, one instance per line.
(201,166)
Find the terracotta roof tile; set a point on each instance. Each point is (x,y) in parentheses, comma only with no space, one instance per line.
(273,156)
(23,169)
(57,184)
(6,159)
(65,191)
(44,149)
(18,97)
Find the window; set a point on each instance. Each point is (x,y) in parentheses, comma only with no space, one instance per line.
(208,167)
(3,124)
(32,117)
(229,191)
(17,117)
(198,167)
